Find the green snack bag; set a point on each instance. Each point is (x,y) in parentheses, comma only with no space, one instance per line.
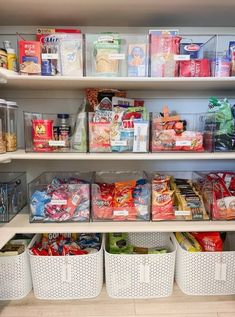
(118,243)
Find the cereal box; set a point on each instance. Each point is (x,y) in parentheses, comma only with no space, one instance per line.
(30,57)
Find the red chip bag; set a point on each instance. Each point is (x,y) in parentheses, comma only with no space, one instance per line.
(195,68)
(210,241)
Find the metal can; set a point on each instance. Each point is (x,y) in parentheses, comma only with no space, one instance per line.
(42,131)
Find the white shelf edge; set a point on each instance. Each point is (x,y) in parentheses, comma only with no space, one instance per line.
(22,155)
(20,224)
(14,80)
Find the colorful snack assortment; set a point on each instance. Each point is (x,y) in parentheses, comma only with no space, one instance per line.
(61,244)
(224,124)
(123,127)
(218,191)
(118,244)
(200,241)
(65,198)
(176,199)
(169,133)
(120,201)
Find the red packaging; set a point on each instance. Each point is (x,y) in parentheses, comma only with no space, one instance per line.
(42,132)
(30,57)
(210,241)
(42,32)
(195,68)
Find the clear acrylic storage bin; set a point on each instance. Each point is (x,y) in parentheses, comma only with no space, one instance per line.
(66,277)
(175,196)
(13,194)
(218,192)
(183,55)
(60,132)
(114,55)
(224,62)
(182,132)
(120,196)
(142,275)
(207,273)
(60,197)
(118,136)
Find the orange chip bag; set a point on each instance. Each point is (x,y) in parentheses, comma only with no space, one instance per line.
(123,194)
(163,205)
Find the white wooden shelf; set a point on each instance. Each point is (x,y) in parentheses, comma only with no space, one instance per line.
(12,80)
(20,224)
(22,155)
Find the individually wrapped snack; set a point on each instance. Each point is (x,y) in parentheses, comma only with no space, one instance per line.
(195,68)
(188,242)
(100,136)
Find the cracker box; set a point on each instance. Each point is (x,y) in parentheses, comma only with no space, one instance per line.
(30,57)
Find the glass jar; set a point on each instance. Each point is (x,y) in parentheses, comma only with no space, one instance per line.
(11,130)
(3,123)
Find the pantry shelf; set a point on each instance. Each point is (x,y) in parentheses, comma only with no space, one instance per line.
(20,224)
(12,80)
(22,155)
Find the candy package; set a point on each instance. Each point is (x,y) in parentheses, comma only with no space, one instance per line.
(217,190)
(126,199)
(58,197)
(175,198)
(67,244)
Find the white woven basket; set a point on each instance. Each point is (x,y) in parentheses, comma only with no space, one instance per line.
(144,275)
(67,277)
(207,273)
(15,276)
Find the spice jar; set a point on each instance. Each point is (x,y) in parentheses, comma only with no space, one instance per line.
(3,122)
(11,130)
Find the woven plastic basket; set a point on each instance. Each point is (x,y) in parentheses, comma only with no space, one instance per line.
(144,275)
(15,276)
(67,277)
(207,273)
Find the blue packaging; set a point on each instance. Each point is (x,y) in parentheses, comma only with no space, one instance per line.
(192,49)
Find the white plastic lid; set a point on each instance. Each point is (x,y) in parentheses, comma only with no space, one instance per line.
(3,102)
(11,104)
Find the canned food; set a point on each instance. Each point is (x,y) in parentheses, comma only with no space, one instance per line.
(42,133)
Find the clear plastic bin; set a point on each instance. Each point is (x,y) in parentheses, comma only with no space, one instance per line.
(182,132)
(61,132)
(175,196)
(218,192)
(117,196)
(60,197)
(13,194)
(183,55)
(142,275)
(114,55)
(118,136)
(225,56)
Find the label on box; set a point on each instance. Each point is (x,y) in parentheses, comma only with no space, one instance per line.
(182,57)
(49,56)
(120,212)
(56,143)
(182,212)
(144,273)
(183,143)
(220,271)
(66,273)
(119,143)
(116,56)
(59,202)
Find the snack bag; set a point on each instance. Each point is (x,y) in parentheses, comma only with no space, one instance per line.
(118,243)
(210,241)
(188,242)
